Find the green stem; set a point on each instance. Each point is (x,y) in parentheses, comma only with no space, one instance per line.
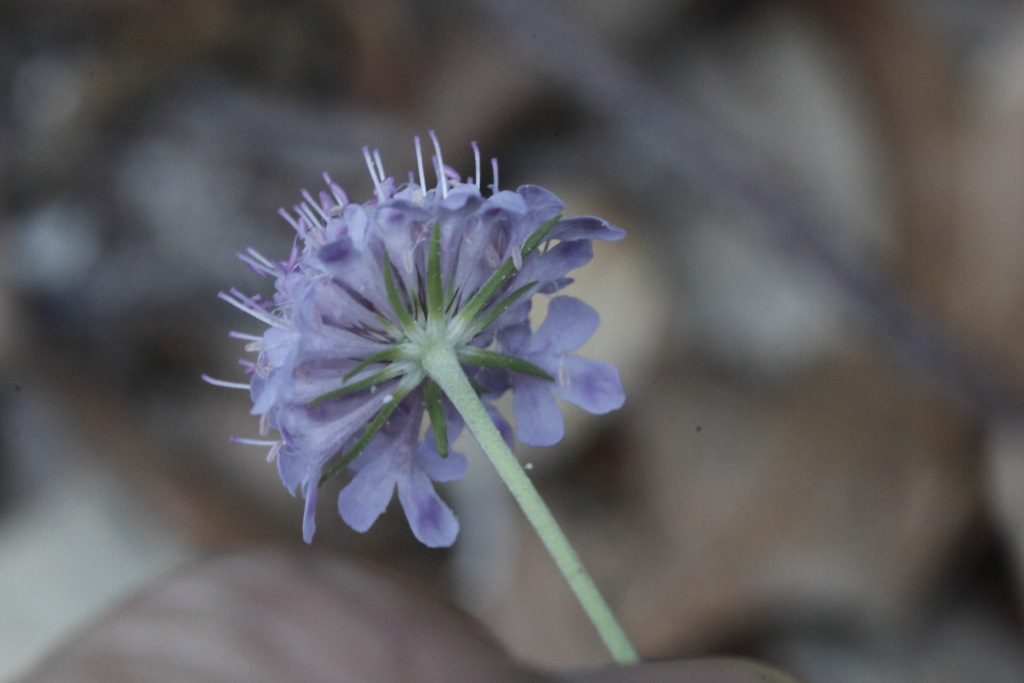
(442,365)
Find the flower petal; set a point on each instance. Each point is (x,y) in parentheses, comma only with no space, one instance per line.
(586,228)
(515,339)
(590,384)
(368,494)
(314,433)
(431,520)
(567,327)
(538,417)
(460,196)
(291,468)
(437,468)
(552,265)
(506,200)
(543,204)
(309,492)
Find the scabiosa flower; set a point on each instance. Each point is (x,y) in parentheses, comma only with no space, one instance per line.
(369,289)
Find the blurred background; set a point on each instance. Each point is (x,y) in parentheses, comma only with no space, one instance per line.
(818,313)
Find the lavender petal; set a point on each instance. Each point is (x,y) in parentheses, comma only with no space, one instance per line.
(538,417)
(567,327)
(592,385)
(437,468)
(431,520)
(586,228)
(366,497)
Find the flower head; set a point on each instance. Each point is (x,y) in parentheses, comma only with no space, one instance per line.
(369,288)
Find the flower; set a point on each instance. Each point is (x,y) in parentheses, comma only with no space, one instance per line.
(368,288)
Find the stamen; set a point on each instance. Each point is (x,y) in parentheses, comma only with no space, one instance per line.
(291,221)
(261,258)
(327,205)
(441,178)
(253,265)
(380,165)
(247,305)
(442,182)
(373,173)
(275,446)
(313,204)
(274,450)
(419,163)
(242,335)
(259,263)
(476,157)
(307,214)
(339,194)
(223,383)
(293,259)
(494,172)
(253,442)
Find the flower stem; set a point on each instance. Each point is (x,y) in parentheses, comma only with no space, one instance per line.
(442,365)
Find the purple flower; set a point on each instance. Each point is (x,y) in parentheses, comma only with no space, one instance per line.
(368,288)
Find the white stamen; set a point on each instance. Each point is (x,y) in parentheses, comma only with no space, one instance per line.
(258,267)
(307,214)
(312,203)
(223,383)
(442,182)
(494,172)
(259,263)
(275,446)
(288,217)
(247,305)
(380,165)
(262,259)
(476,157)
(339,194)
(373,172)
(242,335)
(274,450)
(419,163)
(253,442)
(440,166)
